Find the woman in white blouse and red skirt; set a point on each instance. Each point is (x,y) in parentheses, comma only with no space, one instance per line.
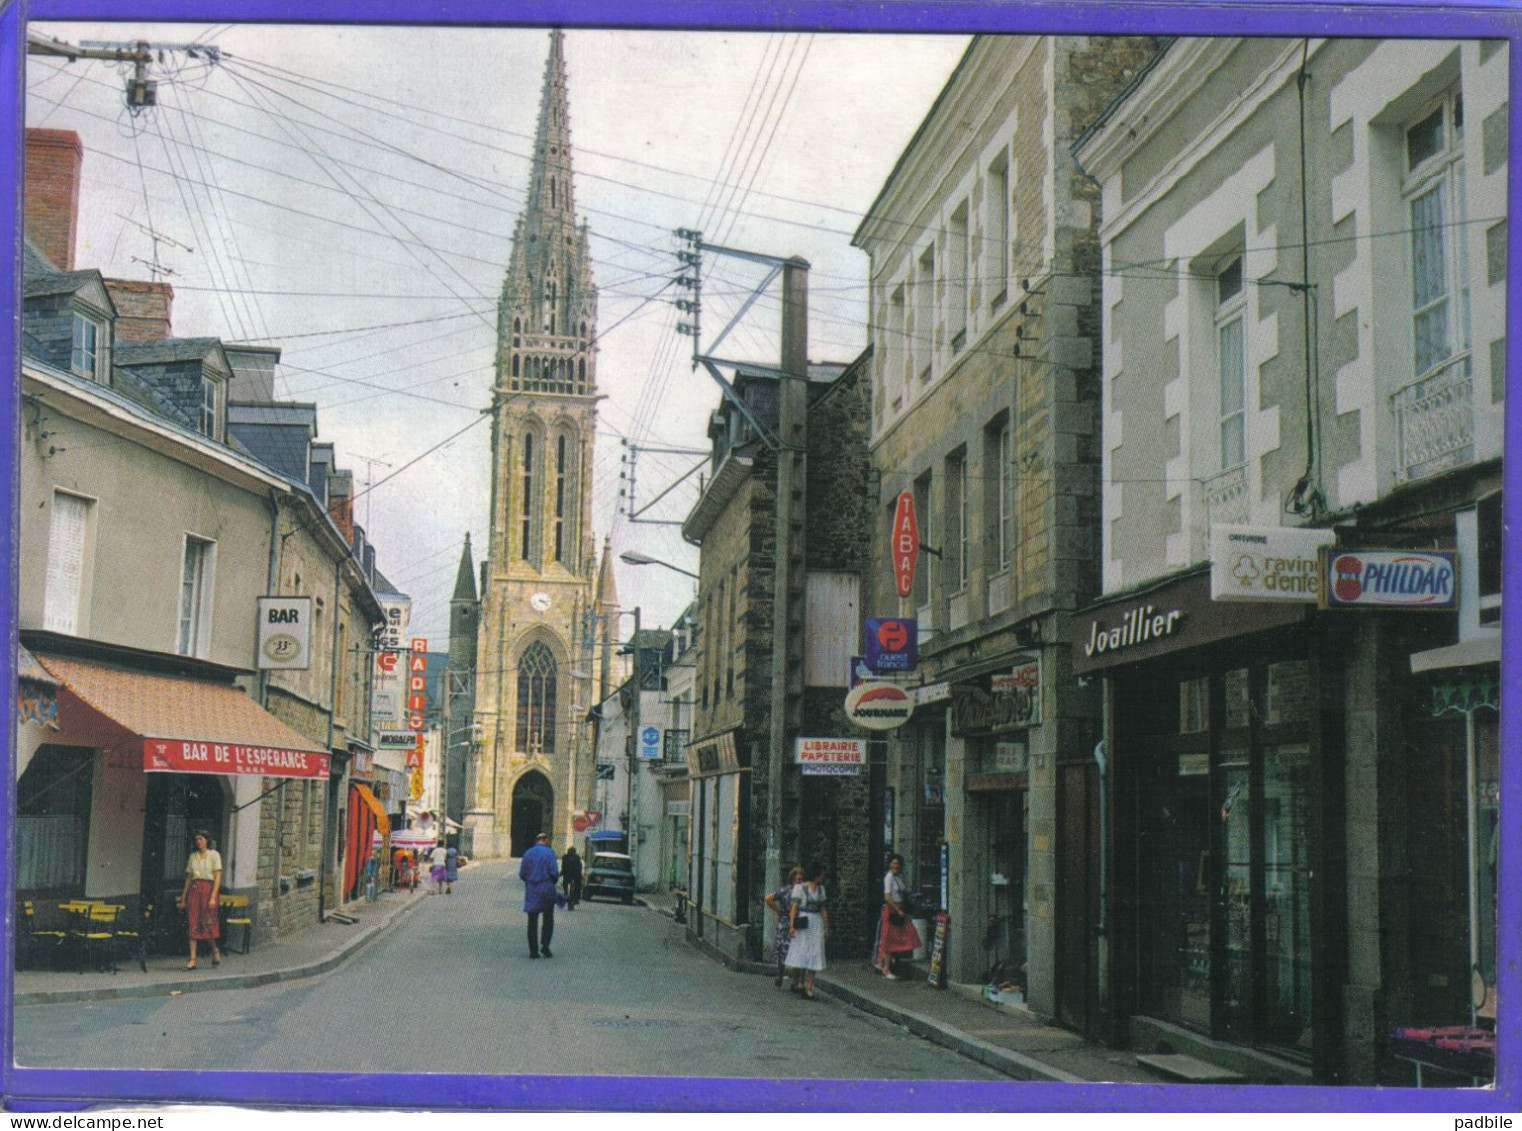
(895,930)
(201,897)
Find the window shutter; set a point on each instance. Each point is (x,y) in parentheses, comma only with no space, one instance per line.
(66,557)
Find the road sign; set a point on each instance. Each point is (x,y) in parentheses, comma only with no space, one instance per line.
(905,543)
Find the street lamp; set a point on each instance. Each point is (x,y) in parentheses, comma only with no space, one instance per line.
(634,557)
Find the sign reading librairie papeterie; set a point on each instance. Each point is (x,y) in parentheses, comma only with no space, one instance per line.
(839,757)
(184,757)
(285,633)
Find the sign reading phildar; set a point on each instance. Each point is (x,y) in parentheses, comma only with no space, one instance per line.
(182,757)
(906,543)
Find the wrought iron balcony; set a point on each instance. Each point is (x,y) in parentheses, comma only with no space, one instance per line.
(1226,496)
(1434,421)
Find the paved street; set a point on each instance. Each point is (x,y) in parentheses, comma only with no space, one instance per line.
(452,989)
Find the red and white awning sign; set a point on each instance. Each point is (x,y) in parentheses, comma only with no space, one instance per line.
(182,757)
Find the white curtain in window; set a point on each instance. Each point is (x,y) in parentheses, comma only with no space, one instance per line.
(1429,280)
(1233,398)
(66,556)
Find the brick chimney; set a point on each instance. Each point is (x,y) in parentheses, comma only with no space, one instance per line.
(53,160)
(142,309)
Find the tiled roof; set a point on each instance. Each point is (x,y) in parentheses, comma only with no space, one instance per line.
(174,707)
(170,349)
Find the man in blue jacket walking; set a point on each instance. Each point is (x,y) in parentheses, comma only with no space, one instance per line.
(539,871)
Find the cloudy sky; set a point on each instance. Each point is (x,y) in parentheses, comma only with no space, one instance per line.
(348,193)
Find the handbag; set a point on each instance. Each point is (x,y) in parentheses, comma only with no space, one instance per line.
(895,919)
(800,921)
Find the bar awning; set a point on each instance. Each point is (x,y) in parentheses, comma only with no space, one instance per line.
(187,726)
(382,822)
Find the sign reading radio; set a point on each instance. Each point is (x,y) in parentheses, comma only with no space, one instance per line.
(1401,579)
(836,757)
(181,757)
(906,543)
(417,683)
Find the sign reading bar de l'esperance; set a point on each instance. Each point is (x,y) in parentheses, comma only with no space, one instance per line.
(184,757)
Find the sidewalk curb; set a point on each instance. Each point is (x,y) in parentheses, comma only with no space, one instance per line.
(1010,1063)
(1013,1064)
(223,981)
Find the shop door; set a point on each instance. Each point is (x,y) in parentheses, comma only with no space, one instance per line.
(1004,937)
(177,806)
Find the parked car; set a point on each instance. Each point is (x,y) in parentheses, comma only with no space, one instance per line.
(611,873)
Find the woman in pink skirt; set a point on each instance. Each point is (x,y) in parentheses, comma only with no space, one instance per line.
(895,931)
(201,897)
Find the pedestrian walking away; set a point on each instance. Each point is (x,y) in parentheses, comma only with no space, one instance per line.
(201,896)
(451,869)
(570,877)
(808,927)
(895,930)
(539,871)
(436,867)
(780,901)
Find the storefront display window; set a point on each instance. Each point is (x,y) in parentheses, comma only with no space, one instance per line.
(1229,915)
(52,808)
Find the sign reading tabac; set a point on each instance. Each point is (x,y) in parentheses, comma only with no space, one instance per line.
(1266,563)
(836,757)
(906,543)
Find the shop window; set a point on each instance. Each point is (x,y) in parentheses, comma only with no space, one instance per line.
(52,811)
(1287,697)
(1238,708)
(1193,705)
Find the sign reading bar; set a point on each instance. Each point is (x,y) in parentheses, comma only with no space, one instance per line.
(1266,563)
(285,633)
(181,757)
(840,757)
(1388,579)
(906,543)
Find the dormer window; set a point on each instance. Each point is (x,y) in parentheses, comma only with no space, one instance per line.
(87,354)
(211,394)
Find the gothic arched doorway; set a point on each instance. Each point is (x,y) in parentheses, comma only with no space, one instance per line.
(533,804)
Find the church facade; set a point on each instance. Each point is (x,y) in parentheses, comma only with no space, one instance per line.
(533,664)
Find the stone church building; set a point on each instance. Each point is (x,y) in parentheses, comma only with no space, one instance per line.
(537,581)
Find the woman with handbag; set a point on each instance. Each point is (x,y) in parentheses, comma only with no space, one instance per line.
(895,931)
(808,925)
(780,902)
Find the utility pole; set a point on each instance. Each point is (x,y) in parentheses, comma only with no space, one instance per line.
(141,90)
(787,600)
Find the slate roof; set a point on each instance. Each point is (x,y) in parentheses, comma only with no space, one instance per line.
(169,349)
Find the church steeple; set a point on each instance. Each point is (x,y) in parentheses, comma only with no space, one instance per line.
(528,773)
(548,298)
